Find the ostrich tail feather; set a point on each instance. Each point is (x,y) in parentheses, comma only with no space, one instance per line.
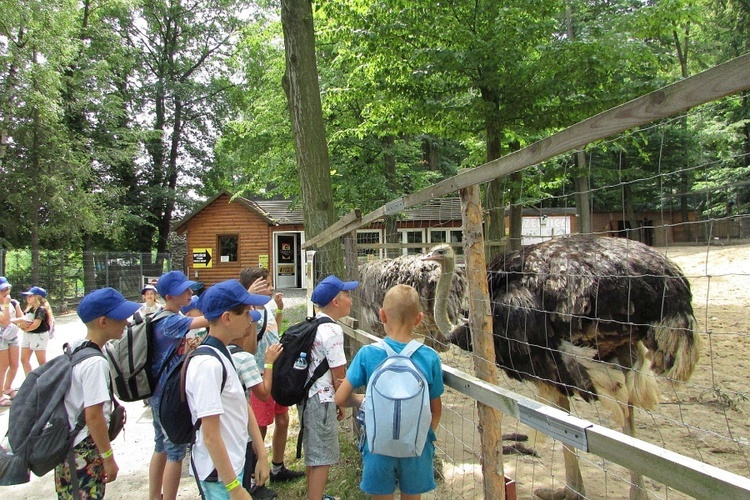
(677,347)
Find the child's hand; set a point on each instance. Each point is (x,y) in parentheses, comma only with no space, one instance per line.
(279,299)
(258,287)
(273,352)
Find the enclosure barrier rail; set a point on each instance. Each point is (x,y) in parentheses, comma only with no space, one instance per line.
(677,471)
(715,83)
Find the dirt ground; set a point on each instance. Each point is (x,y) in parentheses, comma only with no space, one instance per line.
(705,418)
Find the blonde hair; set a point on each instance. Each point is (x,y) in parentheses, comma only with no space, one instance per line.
(401,304)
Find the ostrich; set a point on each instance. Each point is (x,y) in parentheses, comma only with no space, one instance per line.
(441,288)
(591,316)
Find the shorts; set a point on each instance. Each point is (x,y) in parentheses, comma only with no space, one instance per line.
(215,490)
(5,344)
(89,469)
(414,475)
(35,341)
(321,434)
(265,411)
(162,444)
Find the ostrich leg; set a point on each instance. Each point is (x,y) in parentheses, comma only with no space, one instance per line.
(574,489)
(637,486)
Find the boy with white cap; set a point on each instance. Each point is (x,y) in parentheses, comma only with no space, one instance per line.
(105,313)
(220,444)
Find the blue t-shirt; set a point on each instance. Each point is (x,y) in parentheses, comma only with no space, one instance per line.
(369,357)
(168,335)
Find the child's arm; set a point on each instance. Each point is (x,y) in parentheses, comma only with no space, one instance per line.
(217,450)
(198,322)
(345,395)
(99,432)
(436,407)
(261,466)
(279,299)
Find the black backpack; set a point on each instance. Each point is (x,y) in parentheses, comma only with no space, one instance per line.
(39,432)
(290,386)
(173,404)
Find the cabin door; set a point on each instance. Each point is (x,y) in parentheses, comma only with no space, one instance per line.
(287,260)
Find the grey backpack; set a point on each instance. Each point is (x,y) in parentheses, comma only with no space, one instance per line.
(39,432)
(397,405)
(130,359)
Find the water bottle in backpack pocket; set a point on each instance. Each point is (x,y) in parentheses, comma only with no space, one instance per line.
(397,405)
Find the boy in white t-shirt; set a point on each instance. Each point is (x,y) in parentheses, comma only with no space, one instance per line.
(105,313)
(220,444)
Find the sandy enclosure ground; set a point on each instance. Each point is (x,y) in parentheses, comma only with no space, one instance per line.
(705,418)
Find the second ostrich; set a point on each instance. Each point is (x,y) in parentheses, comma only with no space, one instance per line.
(597,317)
(441,290)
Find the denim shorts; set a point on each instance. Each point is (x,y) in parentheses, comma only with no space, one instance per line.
(162,444)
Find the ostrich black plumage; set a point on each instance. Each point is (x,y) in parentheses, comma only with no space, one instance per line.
(592,316)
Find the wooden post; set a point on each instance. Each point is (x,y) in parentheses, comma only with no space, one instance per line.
(480,322)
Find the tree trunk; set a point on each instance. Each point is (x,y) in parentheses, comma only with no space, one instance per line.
(682,57)
(391,227)
(302,90)
(494,193)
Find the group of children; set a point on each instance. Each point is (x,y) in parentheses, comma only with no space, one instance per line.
(36,323)
(229,456)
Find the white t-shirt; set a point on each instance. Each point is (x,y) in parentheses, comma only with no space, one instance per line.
(89,386)
(328,344)
(202,386)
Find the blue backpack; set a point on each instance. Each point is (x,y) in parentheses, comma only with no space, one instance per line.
(397,405)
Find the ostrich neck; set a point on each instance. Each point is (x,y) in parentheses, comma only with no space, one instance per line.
(442,321)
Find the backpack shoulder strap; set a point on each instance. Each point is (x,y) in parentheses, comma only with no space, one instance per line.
(410,348)
(382,344)
(207,351)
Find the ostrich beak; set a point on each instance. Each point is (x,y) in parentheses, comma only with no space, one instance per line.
(433,256)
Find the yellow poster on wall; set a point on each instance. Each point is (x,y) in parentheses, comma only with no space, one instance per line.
(202,258)
(263,261)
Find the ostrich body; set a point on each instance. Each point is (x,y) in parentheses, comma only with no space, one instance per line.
(441,291)
(592,316)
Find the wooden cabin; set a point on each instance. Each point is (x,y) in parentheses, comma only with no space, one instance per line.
(226,235)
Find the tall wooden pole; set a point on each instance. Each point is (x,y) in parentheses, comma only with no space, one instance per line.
(480,322)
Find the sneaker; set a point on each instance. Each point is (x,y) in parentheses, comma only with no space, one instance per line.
(262,492)
(286,475)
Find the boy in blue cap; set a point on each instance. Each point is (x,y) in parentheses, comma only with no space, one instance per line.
(321,438)
(170,330)
(105,313)
(220,444)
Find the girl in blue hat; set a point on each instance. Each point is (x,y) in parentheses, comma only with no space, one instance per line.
(37,322)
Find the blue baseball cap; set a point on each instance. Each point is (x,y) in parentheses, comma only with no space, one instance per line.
(106,302)
(327,290)
(227,295)
(193,305)
(4,284)
(36,290)
(174,283)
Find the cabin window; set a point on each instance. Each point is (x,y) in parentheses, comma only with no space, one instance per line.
(455,236)
(410,237)
(228,248)
(369,237)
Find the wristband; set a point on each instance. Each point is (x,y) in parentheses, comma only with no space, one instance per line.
(268,366)
(108,453)
(233,484)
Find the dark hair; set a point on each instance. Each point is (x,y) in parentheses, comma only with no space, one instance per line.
(251,274)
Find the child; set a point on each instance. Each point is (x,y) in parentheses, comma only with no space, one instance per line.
(36,323)
(221,440)
(256,458)
(414,475)
(165,467)
(9,349)
(105,313)
(266,410)
(149,306)
(321,438)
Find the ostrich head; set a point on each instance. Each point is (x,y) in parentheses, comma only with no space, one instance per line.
(444,256)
